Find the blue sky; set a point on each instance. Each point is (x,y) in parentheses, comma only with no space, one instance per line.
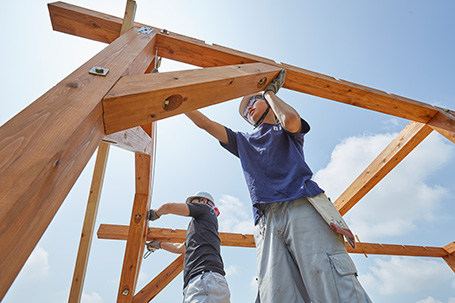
(401,47)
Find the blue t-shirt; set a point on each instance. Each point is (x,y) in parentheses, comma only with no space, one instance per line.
(273,164)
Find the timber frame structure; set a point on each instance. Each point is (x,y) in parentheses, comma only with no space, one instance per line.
(87,111)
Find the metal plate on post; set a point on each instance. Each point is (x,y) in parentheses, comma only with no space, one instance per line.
(99,70)
(145,30)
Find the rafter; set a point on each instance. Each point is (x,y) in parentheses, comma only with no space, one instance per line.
(45,147)
(390,157)
(78,21)
(141,99)
(444,123)
(450,257)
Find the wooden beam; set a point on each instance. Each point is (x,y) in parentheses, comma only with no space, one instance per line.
(450,257)
(196,52)
(128,19)
(305,81)
(89,224)
(443,122)
(82,22)
(119,232)
(152,289)
(45,147)
(391,156)
(396,250)
(134,139)
(137,231)
(145,98)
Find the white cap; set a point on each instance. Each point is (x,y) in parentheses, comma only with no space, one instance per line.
(201,194)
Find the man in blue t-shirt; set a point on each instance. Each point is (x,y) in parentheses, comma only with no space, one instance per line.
(203,269)
(298,232)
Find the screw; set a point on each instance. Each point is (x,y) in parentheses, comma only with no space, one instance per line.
(165,31)
(138,215)
(99,70)
(125,292)
(165,103)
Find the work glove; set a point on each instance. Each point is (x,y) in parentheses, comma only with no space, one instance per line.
(151,247)
(152,215)
(276,83)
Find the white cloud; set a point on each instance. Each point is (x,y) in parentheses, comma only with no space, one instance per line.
(429,300)
(397,275)
(37,264)
(451,300)
(234,217)
(232,270)
(391,124)
(402,199)
(92,298)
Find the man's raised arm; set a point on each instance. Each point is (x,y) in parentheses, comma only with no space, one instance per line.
(215,129)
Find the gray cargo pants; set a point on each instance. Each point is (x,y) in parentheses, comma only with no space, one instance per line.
(300,257)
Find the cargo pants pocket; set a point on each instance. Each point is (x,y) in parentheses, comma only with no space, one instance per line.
(345,277)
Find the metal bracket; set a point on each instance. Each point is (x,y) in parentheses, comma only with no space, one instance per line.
(99,70)
(145,30)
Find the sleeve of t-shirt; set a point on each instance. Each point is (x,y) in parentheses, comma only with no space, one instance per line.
(305,126)
(197,209)
(231,146)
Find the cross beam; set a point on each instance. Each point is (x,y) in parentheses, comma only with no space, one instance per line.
(105,28)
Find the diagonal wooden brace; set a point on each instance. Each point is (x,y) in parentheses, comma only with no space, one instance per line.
(142,99)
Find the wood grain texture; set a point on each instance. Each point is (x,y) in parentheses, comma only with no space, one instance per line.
(89,224)
(140,99)
(45,147)
(119,232)
(197,52)
(134,139)
(396,250)
(137,229)
(450,258)
(444,123)
(152,289)
(411,136)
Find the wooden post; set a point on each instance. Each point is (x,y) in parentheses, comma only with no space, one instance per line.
(89,224)
(137,231)
(44,148)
